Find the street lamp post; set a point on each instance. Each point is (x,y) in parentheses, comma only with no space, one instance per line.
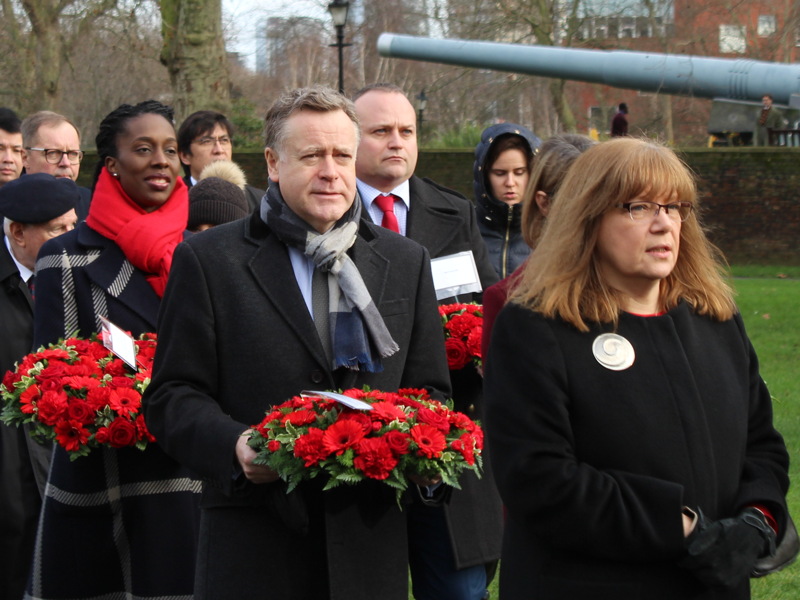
(338,10)
(421,105)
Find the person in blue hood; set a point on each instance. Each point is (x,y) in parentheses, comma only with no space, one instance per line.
(503,163)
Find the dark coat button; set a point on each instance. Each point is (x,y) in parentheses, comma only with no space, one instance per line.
(317,376)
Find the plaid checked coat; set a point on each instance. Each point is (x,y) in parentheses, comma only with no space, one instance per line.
(117,523)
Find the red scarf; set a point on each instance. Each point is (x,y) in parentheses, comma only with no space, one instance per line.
(147,239)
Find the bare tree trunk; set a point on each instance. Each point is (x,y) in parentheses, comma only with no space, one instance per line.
(563,110)
(665,107)
(194,54)
(43,16)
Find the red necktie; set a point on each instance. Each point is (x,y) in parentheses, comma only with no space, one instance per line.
(386,203)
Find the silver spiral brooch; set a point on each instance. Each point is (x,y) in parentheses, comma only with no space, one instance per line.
(613,351)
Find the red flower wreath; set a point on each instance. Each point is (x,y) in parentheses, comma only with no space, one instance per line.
(404,433)
(79,394)
(463,328)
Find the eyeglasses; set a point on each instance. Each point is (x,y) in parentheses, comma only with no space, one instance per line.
(54,156)
(210,140)
(642,210)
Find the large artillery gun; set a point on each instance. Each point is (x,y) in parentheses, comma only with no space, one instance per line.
(719,79)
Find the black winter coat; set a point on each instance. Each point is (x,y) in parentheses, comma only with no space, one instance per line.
(245,342)
(23,462)
(594,465)
(135,512)
(444,222)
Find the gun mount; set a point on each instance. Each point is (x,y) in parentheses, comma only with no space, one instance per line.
(685,75)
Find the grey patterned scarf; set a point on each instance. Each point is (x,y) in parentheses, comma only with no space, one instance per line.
(359,337)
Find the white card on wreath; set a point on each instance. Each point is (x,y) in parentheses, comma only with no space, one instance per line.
(120,342)
(353,403)
(455,274)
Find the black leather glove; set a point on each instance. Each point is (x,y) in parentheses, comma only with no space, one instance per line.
(722,553)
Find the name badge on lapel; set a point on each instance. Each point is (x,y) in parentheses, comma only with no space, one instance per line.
(455,274)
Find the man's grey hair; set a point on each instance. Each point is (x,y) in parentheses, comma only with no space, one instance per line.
(317,99)
(44,118)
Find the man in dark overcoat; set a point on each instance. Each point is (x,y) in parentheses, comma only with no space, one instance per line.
(35,208)
(455,535)
(251,318)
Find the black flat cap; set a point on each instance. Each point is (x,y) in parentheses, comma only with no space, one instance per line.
(38,198)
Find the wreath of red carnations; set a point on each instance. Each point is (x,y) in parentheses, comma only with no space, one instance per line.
(463,328)
(404,433)
(80,395)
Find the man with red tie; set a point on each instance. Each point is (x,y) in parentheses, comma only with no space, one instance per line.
(454,535)
(438,218)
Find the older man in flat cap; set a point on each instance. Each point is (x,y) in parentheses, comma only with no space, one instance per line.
(35,208)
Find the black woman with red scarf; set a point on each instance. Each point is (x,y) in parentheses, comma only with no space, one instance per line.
(118,522)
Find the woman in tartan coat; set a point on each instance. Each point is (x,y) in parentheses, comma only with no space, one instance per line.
(134,512)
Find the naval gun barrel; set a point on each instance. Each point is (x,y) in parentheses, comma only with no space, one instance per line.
(684,75)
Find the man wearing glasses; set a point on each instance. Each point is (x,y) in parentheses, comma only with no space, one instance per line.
(204,137)
(52,145)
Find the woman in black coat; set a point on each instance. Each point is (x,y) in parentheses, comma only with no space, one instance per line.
(131,513)
(631,433)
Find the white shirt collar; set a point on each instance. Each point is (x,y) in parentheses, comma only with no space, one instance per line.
(369,193)
(24,271)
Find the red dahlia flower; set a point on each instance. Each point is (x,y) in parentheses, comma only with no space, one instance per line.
(430,440)
(342,435)
(71,434)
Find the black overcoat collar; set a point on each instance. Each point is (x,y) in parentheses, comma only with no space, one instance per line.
(433,218)
(107,272)
(9,272)
(270,274)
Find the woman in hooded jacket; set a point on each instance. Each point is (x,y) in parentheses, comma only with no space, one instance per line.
(503,163)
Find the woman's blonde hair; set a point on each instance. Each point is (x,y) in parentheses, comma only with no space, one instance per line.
(562,278)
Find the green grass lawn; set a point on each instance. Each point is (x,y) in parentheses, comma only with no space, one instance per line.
(769,300)
(769,306)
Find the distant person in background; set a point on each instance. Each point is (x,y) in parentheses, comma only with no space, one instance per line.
(769,117)
(52,144)
(10,146)
(555,156)
(503,162)
(204,137)
(619,124)
(36,208)
(218,197)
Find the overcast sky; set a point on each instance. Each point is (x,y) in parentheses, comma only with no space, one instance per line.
(241,17)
